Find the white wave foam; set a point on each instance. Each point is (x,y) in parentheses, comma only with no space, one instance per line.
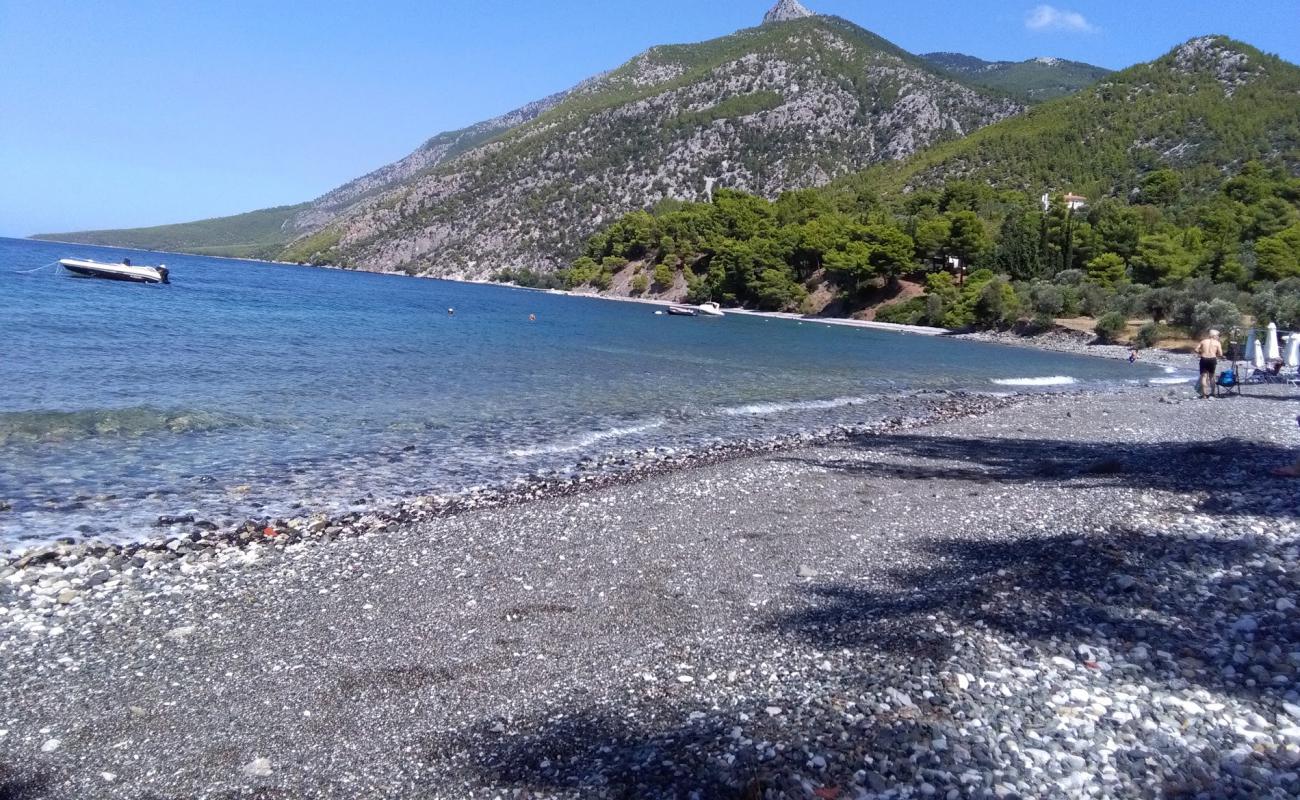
(1053,380)
(1169,380)
(585,440)
(760,409)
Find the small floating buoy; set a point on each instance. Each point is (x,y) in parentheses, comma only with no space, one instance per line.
(451,312)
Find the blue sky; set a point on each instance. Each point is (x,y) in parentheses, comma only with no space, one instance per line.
(145,112)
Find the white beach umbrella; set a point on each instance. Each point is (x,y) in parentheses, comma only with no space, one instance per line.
(1249,352)
(1271,351)
(1293,350)
(1257,358)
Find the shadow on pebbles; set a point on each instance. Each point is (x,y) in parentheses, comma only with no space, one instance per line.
(1074,596)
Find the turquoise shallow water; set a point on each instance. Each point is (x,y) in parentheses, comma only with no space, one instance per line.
(253,389)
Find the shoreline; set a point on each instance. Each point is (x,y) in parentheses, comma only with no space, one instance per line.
(1038,599)
(915,329)
(1060,340)
(184,535)
(1056,340)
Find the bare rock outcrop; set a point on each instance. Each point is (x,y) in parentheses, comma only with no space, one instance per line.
(786,10)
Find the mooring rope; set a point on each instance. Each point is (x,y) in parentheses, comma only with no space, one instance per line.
(38,269)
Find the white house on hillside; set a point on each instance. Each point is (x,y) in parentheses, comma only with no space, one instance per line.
(1073,202)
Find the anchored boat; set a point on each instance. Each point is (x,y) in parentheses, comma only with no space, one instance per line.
(682,311)
(125,271)
(711,309)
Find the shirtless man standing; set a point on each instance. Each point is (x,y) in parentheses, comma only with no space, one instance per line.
(1210,350)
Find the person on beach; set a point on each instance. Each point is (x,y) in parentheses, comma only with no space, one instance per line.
(1210,349)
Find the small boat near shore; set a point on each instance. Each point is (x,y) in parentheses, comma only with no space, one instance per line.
(682,311)
(711,309)
(125,271)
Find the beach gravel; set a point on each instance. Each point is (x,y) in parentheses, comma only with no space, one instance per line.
(1078,595)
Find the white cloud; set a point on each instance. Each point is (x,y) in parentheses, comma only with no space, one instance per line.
(1050,18)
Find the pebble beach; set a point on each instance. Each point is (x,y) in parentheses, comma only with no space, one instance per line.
(1071,595)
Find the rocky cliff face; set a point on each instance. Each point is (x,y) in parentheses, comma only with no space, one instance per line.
(430,154)
(794,103)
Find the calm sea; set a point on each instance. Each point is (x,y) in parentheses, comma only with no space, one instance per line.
(254,389)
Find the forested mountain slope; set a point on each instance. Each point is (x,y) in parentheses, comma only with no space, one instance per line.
(1031,81)
(1203,109)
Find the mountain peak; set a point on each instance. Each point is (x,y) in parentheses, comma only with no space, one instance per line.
(1223,58)
(786,10)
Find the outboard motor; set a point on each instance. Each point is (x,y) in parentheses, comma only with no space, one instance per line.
(164,272)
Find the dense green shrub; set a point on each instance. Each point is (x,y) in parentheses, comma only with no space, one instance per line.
(1160,302)
(934,310)
(1216,314)
(583,272)
(1093,300)
(1048,300)
(1107,270)
(663,276)
(1111,326)
(908,312)
(1148,335)
(997,304)
(533,280)
(1129,300)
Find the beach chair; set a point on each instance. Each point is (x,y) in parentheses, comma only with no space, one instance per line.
(1288,379)
(1267,376)
(1227,384)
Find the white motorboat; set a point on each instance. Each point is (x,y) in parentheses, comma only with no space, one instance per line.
(711,309)
(125,271)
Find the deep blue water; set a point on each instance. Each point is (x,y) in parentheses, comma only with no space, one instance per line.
(244,387)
